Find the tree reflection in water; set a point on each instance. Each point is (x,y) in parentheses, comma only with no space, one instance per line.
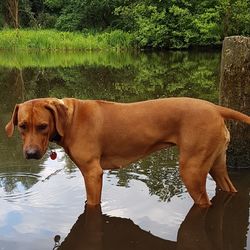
(159,172)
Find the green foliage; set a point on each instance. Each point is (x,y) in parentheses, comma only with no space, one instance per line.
(82,14)
(205,28)
(54,40)
(147,24)
(118,39)
(54,4)
(180,26)
(240,18)
(150,24)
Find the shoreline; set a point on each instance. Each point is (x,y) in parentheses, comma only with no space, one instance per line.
(58,41)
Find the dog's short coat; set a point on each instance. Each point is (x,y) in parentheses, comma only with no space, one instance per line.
(99,135)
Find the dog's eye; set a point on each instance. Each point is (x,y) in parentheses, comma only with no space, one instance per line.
(23,126)
(42,126)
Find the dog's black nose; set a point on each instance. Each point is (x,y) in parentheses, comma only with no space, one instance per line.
(32,153)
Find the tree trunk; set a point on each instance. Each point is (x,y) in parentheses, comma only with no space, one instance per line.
(12,6)
(235,93)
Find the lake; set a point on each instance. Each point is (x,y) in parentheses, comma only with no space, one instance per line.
(144,206)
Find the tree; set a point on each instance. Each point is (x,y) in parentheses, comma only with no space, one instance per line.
(13,9)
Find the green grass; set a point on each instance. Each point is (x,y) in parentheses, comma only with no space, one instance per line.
(53,40)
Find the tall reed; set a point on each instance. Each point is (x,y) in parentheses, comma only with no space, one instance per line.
(55,40)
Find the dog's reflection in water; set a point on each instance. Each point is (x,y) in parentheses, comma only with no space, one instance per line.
(208,229)
(96,231)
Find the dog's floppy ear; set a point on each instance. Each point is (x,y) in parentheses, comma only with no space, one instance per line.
(9,128)
(59,112)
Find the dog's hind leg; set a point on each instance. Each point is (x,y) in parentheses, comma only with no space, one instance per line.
(220,175)
(193,172)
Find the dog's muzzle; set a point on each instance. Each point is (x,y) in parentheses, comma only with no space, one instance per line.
(32,153)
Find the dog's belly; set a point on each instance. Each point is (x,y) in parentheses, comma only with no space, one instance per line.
(117,160)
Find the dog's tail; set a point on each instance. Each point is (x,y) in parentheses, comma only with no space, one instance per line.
(228,113)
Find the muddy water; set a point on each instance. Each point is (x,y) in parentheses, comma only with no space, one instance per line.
(144,206)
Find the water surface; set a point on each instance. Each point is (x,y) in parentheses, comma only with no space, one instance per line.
(144,206)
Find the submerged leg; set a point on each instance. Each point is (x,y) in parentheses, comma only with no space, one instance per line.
(220,175)
(194,174)
(93,182)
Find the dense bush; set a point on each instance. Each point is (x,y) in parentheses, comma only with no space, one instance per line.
(146,22)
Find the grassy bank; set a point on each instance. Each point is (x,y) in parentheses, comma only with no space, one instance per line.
(53,40)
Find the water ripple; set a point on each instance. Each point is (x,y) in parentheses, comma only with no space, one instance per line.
(14,186)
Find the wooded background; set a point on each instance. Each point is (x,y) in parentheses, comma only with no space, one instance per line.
(153,23)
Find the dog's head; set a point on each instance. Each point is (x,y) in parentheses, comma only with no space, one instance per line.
(38,121)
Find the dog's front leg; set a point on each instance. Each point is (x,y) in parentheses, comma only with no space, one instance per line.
(92,173)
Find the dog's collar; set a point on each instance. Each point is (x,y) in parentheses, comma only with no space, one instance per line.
(55,138)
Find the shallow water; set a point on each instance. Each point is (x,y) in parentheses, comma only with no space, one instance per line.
(144,206)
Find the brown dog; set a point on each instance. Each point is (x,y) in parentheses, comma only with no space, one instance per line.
(99,135)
